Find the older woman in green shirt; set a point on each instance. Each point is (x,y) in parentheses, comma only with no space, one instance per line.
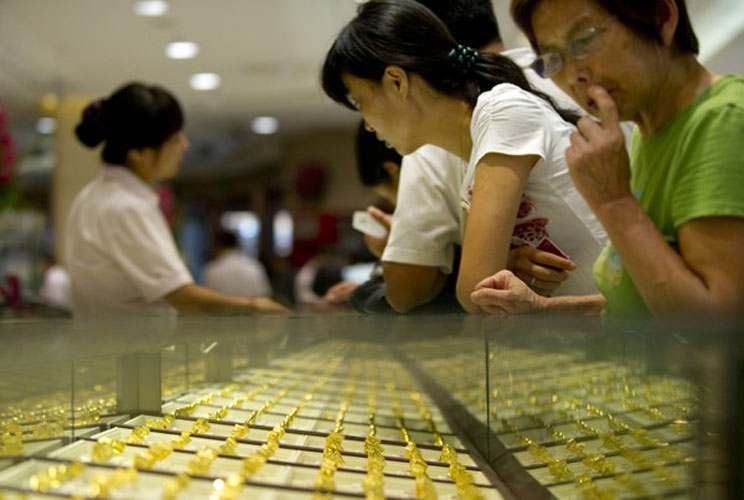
(674,210)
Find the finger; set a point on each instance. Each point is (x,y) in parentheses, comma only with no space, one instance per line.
(578,141)
(490,297)
(542,265)
(539,285)
(571,156)
(380,216)
(552,260)
(607,109)
(522,275)
(547,274)
(494,300)
(497,280)
(589,128)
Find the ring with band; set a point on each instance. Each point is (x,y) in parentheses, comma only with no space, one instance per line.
(532,282)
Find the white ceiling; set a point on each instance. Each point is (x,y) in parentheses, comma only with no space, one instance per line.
(268,53)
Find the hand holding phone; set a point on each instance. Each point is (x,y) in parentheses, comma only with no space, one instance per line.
(363,222)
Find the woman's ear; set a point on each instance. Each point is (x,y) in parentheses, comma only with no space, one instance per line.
(396,80)
(667,18)
(140,157)
(135,157)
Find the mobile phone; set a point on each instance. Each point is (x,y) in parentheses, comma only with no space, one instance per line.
(548,246)
(363,222)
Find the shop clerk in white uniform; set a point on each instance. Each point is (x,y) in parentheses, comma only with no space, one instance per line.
(120,253)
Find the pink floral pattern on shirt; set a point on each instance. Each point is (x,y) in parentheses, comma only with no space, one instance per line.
(526,231)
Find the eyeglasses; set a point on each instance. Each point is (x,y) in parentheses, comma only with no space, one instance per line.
(580,47)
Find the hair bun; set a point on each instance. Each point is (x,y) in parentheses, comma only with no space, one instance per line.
(91,130)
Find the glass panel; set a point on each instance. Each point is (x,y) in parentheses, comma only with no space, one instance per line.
(94,393)
(174,370)
(35,409)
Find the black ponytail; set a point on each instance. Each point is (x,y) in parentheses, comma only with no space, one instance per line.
(134,116)
(405,33)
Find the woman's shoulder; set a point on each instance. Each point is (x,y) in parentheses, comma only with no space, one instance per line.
(511,101)
(507,92)
(725,96)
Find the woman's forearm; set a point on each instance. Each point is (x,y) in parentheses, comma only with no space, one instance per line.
(663,278)
(195,299)
(587,305)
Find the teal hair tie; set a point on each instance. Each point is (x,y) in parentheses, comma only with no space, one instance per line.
(463,58)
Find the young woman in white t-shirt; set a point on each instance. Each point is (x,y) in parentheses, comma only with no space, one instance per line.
(120,254)
(397,63)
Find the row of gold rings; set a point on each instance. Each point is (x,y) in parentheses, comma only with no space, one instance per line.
(464,482)
(374,481)
(333,448)
(105,449)
(417,465)
(54,476)
(230,489)
(204,458)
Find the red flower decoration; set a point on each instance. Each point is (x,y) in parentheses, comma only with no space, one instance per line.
(8,155)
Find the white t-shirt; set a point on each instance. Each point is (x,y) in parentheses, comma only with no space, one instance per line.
(427,218)
(234,273)
(510,121)
(120,253)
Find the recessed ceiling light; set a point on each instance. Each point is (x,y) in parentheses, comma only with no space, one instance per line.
(150,8)
(265,125)
(46,125)
(181,50)
(205,81)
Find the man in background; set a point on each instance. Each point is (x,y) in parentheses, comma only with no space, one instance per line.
(232,272)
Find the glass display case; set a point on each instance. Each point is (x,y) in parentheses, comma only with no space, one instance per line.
(376,407)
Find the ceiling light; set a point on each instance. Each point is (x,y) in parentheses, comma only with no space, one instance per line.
(181,50)
(150,8)
(205,81)
(46,125)
(265,125)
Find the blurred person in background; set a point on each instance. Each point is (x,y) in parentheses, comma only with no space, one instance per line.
(120,253)
(55,288)
(232,272)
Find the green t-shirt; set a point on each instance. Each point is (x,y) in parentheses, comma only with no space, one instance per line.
(692,167)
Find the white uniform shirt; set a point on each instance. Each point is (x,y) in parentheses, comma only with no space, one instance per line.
(510,121)
(120,253)
(234,273)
